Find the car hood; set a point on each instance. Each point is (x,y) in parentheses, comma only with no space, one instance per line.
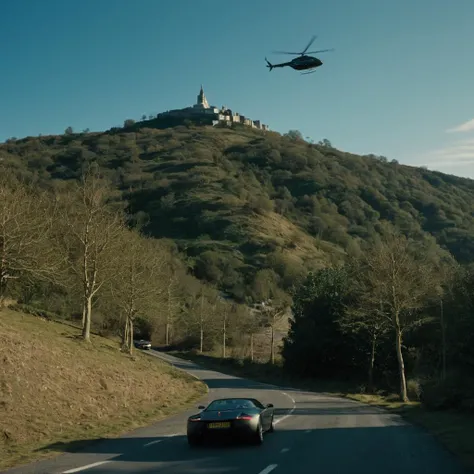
(227,414)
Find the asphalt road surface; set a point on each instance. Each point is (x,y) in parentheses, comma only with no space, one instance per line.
(313,434)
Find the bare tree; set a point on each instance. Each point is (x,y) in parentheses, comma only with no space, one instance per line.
(252,329)
(402,281)
(202,314)
(92,238)
(247,323)
(274,315)
(173,303)
(448,272)
(372,322)
(134,284)
(225,313)
(27,220)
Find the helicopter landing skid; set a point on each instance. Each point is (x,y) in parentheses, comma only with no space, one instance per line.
(309,72)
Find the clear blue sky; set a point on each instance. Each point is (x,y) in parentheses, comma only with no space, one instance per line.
(400,77)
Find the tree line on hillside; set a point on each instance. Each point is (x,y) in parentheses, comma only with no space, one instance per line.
(398,308)
(249,214)
(239,202)
(72,252)
(402,311)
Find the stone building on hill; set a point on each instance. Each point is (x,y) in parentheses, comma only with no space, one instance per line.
(202,109)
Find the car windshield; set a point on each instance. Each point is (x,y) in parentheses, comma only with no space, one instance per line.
(230,404)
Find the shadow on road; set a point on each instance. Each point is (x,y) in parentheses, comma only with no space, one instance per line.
(337,449)
(117,445)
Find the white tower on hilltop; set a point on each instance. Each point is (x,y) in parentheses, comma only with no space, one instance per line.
(201,100)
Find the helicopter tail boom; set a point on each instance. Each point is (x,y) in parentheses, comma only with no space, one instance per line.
(271,66)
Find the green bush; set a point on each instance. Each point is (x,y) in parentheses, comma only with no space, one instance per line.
(456,392)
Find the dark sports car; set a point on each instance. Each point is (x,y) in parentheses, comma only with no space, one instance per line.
(238,418)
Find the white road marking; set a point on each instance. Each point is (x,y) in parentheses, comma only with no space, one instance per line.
(153,442)
(290,412)
(83,468)
(172,435)
(284,450)
(268,469)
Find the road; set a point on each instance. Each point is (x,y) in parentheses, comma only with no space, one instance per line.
(313,433)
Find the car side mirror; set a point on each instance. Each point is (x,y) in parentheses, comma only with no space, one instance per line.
(201,407)
(269,405)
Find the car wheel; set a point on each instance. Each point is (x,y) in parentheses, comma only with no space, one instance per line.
(272,427)
(259,434)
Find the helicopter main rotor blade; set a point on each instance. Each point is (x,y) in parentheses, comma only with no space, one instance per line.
(309,44)
(284,52)
(320,51)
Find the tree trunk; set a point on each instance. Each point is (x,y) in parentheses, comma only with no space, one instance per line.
(201,326)
(272,348)
(130,340)
(3,281)
(372,364)
(251,347)
(87,312)
(167,333)
(443,342)
(401,365)
(3,291)
(224,334)
(125,335)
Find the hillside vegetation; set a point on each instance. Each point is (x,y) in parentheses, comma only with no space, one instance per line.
(245,206)
(151,227)
(55,388)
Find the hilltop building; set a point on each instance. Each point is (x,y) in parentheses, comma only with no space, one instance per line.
(202,109)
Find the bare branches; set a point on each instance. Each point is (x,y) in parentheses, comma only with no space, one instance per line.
(393,274)
(27,221)
(173,303)
(91,236)
(394,284)
(134,285)
(273,316)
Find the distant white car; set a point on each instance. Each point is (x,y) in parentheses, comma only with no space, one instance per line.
(142,344)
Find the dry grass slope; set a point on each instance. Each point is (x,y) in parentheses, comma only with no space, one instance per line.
(55,388)
(272,227)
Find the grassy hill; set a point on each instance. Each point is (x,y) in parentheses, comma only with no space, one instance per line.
(55,388)
(252,211)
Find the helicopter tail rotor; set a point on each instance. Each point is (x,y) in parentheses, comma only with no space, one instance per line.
(269,65)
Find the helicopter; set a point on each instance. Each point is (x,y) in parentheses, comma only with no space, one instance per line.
(303,62)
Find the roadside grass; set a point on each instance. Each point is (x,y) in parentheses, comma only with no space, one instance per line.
(454,429)
(55,388)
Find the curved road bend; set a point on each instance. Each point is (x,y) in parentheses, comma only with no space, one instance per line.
(314,433)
